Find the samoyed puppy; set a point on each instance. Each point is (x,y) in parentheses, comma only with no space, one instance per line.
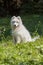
(19,31)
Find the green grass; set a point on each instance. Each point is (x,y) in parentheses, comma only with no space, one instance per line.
(21,54)
(30,53)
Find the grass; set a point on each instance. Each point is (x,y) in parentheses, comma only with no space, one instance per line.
(30,53)
(21,54)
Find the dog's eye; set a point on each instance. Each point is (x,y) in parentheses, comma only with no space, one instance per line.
(13,21)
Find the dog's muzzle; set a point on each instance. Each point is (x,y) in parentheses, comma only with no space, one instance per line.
(15,24)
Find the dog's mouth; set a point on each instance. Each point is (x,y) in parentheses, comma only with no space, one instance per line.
(15,26)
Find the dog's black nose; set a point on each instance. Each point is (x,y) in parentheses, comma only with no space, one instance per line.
(14,25)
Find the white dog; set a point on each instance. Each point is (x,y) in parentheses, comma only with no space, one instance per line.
(19,32)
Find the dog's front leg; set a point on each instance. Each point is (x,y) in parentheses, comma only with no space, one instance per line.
(14,39)
(18,39)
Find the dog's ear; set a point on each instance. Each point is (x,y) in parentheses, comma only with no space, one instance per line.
(13,17)
(19,18)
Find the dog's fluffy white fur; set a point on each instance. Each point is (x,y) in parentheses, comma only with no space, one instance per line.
(19,32)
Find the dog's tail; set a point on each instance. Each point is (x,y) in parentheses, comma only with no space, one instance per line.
(35,38)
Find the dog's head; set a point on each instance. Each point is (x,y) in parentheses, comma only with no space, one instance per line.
(16,21)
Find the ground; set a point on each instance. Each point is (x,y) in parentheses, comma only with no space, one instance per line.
(21,54)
